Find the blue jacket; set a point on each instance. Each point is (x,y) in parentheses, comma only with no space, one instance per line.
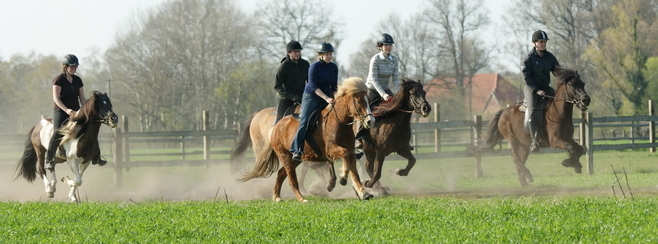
(324,76)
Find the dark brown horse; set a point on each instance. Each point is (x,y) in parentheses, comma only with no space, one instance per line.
(257,128)
(334,137)
(556,130)
(392,130)
(80,144)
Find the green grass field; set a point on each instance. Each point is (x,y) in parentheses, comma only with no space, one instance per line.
(504,219)
(441,201)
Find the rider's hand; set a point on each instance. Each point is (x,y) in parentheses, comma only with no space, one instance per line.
(387,98)
(541,93)
(331,101)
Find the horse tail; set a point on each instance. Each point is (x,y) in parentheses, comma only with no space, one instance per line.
(266,164)
(27,165)
(243,141)
(491,139)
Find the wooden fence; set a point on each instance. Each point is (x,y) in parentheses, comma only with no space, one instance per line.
(442,134)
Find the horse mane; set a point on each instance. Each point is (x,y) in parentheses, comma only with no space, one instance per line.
(78,122)
(564,74)
(399,99)
(351,87)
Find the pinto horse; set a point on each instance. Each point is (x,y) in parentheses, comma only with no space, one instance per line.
(556,130)
(392,131)
(257,128)
(78,147)
(334,138)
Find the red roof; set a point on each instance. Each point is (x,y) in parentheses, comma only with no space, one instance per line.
(491,92)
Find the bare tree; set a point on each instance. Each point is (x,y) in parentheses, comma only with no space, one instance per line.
(307,21)
(169,63)
(459,25)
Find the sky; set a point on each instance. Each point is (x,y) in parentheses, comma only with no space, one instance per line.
(80,26)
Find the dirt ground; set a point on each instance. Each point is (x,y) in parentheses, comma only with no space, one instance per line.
(216,182)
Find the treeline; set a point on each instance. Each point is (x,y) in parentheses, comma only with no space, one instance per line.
(182,57)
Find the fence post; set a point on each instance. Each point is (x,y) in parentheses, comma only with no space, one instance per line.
(478,135)
(118,174)
(581,128)
(437,132)
(652,127)
(206,139)
(126,142)
(182,148)
(589,147)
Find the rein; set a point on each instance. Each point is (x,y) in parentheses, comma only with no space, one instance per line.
(361,118)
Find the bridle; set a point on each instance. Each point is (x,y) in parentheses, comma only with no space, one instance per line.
(572,97)
(417,106)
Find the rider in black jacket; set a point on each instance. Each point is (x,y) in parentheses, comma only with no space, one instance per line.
(537,67)
(291,78)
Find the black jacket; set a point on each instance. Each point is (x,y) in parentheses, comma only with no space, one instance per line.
(291,78)
(537,70)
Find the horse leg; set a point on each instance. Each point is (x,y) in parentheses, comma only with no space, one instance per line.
(375,170)
(349,166)
(520,156)
(280,177)
(77,169)
(302,175)
(575,152)
(292,179)
(332,176)
(50,182)
(411,161)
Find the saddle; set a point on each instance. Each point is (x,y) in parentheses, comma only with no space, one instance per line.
(312,124)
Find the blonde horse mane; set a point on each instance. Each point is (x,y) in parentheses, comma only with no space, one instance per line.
(351,86)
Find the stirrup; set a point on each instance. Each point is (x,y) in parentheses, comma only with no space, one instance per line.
(534,147)
(100,161)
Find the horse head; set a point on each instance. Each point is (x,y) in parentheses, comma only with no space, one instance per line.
(356,88)
(102,109)
(416,97)
(575,87)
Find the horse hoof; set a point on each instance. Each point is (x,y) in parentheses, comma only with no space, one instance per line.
(343,181)
(277,199)
(401,172)
(367,183)
(578,170)
(50,194)
(367,196)
(330,188)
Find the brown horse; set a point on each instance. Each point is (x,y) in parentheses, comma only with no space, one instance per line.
(257,128)
(80,144)
(556,128)
(333,136)
(392,130)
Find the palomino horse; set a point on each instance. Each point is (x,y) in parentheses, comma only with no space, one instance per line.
(392,130)
(257,128)
(334,138)
(556,128)
(80,143)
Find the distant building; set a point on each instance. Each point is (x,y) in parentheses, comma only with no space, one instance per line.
(491,92)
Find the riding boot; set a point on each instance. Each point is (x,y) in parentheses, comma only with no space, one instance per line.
(52,149)
(99,160)
(534,146)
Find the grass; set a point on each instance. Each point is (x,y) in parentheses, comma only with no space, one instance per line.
(383,220)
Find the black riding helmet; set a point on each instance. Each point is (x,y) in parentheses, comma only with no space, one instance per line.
(70,59)
(539,35)
(325,47)
(385,38)
(293,46)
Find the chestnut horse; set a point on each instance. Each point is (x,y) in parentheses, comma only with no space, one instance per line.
(392,130)
(556,129)
(333,136)
(80,144)
(256,129)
